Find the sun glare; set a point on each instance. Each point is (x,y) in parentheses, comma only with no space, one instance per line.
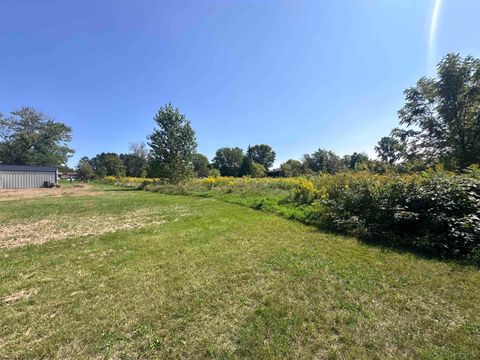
(433,32)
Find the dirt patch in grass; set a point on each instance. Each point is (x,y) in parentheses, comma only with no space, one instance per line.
(58,228)
(19,194)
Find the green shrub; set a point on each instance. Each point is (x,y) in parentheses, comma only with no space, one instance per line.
(439,213)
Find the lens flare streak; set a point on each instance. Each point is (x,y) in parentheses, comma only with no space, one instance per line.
(433,30)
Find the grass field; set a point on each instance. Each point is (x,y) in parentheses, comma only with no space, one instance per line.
(102,272)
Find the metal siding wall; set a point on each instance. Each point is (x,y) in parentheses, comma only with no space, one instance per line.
(25,179)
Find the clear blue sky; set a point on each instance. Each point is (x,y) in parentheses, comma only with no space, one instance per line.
(297,75)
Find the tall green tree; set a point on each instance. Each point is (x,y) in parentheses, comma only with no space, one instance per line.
(442,114)
(261,154)
(28,137)
(323,161)
(85,169)
(134,165)
(389,149)
(173,144)
(201,165)
(228,161)
(354,161)
(136,161)
(292,168)
(108,164)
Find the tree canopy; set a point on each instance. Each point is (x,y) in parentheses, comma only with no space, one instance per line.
(353,162)
(108,164)
(28,137)
(389,149)
(134,165)
(84,169)
(228,161)
(323,161)
(292,167)
(136,161)
(261,154)
(201,165)
(442,115)
(173,144)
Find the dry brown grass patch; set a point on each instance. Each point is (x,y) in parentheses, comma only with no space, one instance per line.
(58,228)
(20,194)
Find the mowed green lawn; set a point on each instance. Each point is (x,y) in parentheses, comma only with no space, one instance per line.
(110,273)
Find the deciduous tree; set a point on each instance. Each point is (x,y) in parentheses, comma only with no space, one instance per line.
(85,169)
(323,161)
(201,165)
(389,149)
(173,144)
(442,115)
(292,168)
(262,154)
(28,137)
(354,161)
(228,161)
(134,165)
(108,164)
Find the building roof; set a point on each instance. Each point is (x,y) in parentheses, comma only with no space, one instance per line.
(27,168)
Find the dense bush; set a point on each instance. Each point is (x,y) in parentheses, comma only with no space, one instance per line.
(439,213)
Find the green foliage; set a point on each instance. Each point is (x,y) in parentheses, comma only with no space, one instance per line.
(32,138)
(228,161)
(442,114)
(389,149)
(257,170)
(261,154)
(291,168)
(201,165)
(108,164)
(356,161)
(323,161)
(84,169)
(173,144)
(64,168)
(251,168)
(214,173)
(135,166)
(439,214)
(136,161)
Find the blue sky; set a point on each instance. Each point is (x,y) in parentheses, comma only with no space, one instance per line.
(297,75)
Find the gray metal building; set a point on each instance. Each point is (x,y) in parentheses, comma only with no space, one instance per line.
(25,176)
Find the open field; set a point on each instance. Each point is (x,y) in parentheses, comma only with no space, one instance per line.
(102,272)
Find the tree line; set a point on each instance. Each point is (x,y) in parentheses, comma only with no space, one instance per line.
(439,124)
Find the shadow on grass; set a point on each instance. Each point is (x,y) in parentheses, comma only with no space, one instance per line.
(121,190)
(398,245)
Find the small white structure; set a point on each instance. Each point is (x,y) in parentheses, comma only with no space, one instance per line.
(25,176)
